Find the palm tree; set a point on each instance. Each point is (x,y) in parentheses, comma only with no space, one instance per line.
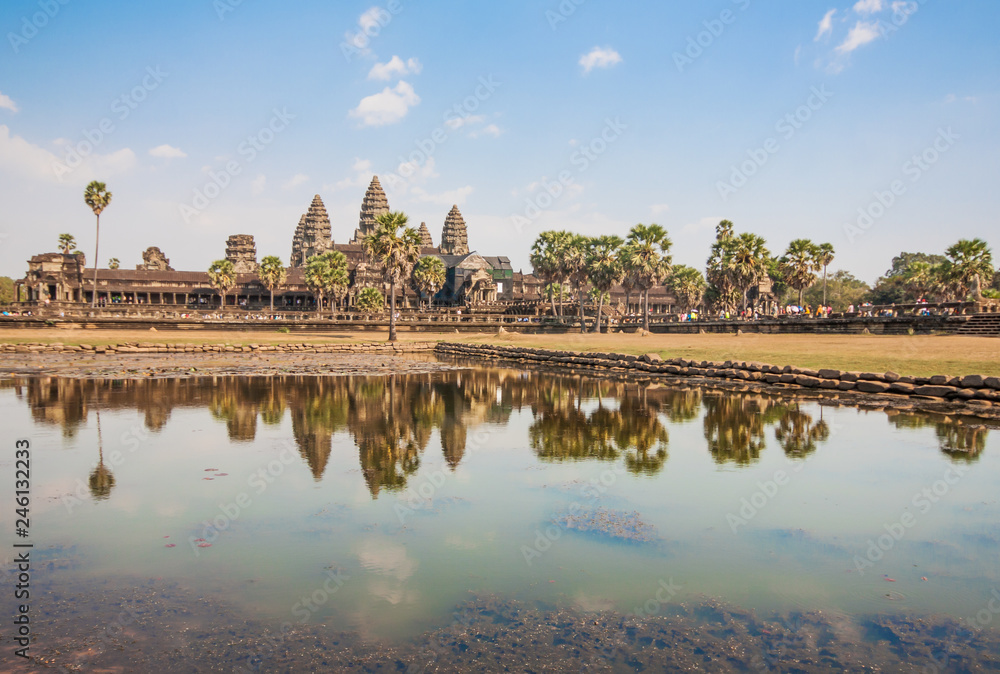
(717,273)
(546,262)
(327,273)
(971,262)
(370,301)
(824,256)
(688,285)
(748,262)
(272,274)
(921,277)
(574,269)
(799,264)
(67,243)
(647,258)
(604,269)
(395,251)
(429,276)
(222,277)
(101,480)
(97,197)
(114,263)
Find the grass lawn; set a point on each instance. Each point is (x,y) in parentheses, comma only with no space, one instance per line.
(916,356)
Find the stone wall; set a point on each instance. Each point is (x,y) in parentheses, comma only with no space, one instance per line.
(161,347)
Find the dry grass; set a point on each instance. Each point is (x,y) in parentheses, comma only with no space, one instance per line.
(915,356)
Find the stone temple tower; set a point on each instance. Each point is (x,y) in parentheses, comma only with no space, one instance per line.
(242,252)
(425,236)
(312,235)
(454,237)
(374,205)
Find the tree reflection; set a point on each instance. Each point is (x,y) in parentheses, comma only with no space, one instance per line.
(798,434)
(101,480)
(961,442)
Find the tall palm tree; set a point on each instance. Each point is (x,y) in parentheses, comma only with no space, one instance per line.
(272,274)
(429,276)
(222,277)
(688,285)
(97,197)
(748,262)
(546,261)
(67,243)
(799,265)
(604,269)
(327,273)
(824,255)
(920,278)
(574,269)
(971,262)
(717,272)
(396,248)
(648,259)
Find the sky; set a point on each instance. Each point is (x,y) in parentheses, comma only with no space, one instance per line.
(872,125)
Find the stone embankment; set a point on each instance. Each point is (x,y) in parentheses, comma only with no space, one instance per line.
(973,390)
(149,347)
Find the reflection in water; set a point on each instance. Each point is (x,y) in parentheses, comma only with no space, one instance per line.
(392,420)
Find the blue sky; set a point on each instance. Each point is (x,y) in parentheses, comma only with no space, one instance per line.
(785,117)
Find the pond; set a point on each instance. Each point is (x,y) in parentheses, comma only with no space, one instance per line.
(365,514)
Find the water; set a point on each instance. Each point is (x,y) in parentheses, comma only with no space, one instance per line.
(377,505)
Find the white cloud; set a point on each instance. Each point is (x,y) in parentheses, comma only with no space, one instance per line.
(448,198)
(363,173)
(372,19)
(600,57)
(659,209)
(396,67)
(868,6)
(455,123)
(24,159)
(6,103)
(825,25)
(489,130)
(387,107)
(862,33)
(413,173)
(295,181)
(258,184)
(167,152)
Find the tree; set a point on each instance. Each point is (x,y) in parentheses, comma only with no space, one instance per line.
(546,260)
(67,244)
(971,266)
(574,269)
(97,197)
(604,267)
(799,265)
(688,285)
(222,276)
(6,290)
(921,278)
(114,263)
(429,276)
(824,256)
(370,301)
(892,288)
(721,288)
(272,274)
(648,260)
(327,273)
(747,262)
(844,290)
(396,248)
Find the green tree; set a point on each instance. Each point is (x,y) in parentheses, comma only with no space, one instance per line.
(222,276)
(688,285)
(6,290)
(892,287)
(97,196)
(604,267)
(326,273)
(971,266)
(396,248)
(824,256)
(574,270)
(370,301)
(799,265)
(721,289)
(114,263)
(67,244)
(647,258)
(844,290)
(546,261)
(429,276)
(748,262)
(272,274)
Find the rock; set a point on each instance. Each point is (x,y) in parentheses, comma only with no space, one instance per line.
(829,374)
(869,386)
(652,358)
(153,330)
(890,377)
(849,376)
(869,376)
(965,393)
(829,383)
(935,391)
(787,378)
(972,381)
(940,379)
(846,385)
(992,382)
(901,387)
(806,380)
(738,331)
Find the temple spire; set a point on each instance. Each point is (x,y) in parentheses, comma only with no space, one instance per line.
(374,204)
(454,236)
